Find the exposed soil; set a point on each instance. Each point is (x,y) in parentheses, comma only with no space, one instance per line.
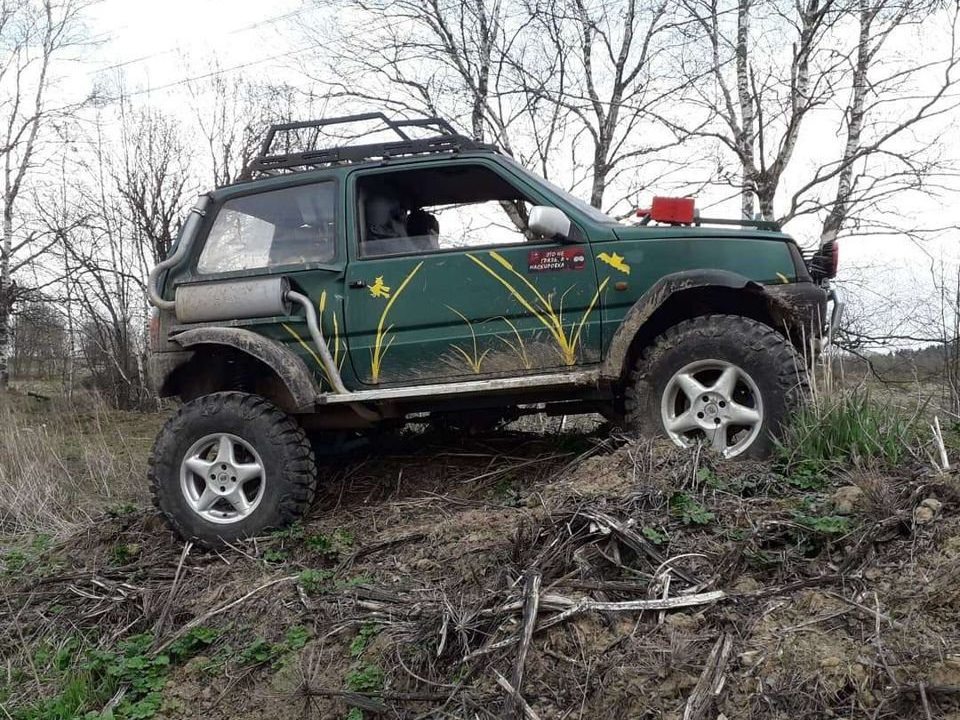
(838,601)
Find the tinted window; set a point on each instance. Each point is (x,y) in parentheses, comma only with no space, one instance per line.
(292,226)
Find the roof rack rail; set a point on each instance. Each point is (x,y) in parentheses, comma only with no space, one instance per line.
(269,162)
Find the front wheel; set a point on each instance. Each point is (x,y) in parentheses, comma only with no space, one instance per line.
(723,380)
(230,465)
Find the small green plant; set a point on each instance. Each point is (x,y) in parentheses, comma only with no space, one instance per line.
(316,582)
(823,524)
(274,555)
(296,637)
(14,562)
(805,477)
(321,544)
(365,678)
(124,553)
(257,652)
(354,714)
(689,510)
(343,537)
(121,510)
(657,537)
(367,632)
(262,651)
(193,642)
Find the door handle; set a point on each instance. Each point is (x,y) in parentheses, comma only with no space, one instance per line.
(356,284)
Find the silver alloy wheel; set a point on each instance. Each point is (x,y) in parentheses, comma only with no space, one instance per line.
(222,478)
(712,400)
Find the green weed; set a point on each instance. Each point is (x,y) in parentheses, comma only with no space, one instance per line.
(316,582)
(689,510)
(124,553)
(365,678)
(274,555)
(262,651)
(657,537)
(367,632)
(89,679)
(122,509)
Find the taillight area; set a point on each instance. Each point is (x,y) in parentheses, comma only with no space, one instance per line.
(825,262)
(153,326)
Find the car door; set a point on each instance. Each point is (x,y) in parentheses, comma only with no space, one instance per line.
(446,282)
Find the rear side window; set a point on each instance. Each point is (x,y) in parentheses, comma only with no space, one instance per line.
(293,226)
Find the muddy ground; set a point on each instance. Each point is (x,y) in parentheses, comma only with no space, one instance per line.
(524,575)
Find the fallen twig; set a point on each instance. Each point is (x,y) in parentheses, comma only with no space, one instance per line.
(525,708)
(711,680)
(531,605)
(576,607)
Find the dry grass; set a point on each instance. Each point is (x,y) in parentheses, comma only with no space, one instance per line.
(62,463)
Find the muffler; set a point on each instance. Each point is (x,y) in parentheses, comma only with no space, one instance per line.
(232,300)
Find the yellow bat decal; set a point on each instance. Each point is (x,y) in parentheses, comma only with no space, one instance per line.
(378,289)
(615,261)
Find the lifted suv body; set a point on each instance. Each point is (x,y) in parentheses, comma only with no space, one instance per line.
(510,304)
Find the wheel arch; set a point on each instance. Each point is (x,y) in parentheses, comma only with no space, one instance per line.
(239,359)
(684,295)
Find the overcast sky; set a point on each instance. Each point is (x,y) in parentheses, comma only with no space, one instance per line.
(160,45)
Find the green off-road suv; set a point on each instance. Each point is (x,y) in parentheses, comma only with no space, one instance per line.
(430,277)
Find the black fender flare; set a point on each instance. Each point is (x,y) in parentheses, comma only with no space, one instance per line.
(657,295)
(289,367)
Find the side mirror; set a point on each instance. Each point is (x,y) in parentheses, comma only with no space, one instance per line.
(549,222)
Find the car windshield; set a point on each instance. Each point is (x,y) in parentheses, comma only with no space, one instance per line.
(584,207)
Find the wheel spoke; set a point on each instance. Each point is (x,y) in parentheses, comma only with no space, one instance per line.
(225,450)
(690,386)
(239,501)
(247,471)
(726,383)
(718,438)
(206,500)
(742,415)
(198,466)
(683,422)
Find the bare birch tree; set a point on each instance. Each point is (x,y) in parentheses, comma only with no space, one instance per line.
(427,57)
(606,79)
(34,35)
(762,69)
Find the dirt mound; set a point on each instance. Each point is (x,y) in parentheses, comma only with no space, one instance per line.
(521,576)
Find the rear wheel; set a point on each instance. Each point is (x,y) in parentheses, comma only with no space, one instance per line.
(723,380)
(231,465)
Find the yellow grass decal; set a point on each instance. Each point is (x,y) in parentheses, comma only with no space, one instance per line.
(474,361)
(520,348)
(380,347)
(541,308)
(337,344)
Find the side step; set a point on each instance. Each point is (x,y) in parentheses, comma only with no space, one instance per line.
(467,387)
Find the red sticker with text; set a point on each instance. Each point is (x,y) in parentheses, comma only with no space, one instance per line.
(551,260)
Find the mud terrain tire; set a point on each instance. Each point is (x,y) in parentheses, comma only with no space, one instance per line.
(765,356)
(282,450)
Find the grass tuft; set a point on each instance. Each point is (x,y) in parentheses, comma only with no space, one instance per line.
(847,427)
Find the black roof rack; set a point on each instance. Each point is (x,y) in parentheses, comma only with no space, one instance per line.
(271,162)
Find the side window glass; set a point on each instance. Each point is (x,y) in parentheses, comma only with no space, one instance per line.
(439,208)
(291,226)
